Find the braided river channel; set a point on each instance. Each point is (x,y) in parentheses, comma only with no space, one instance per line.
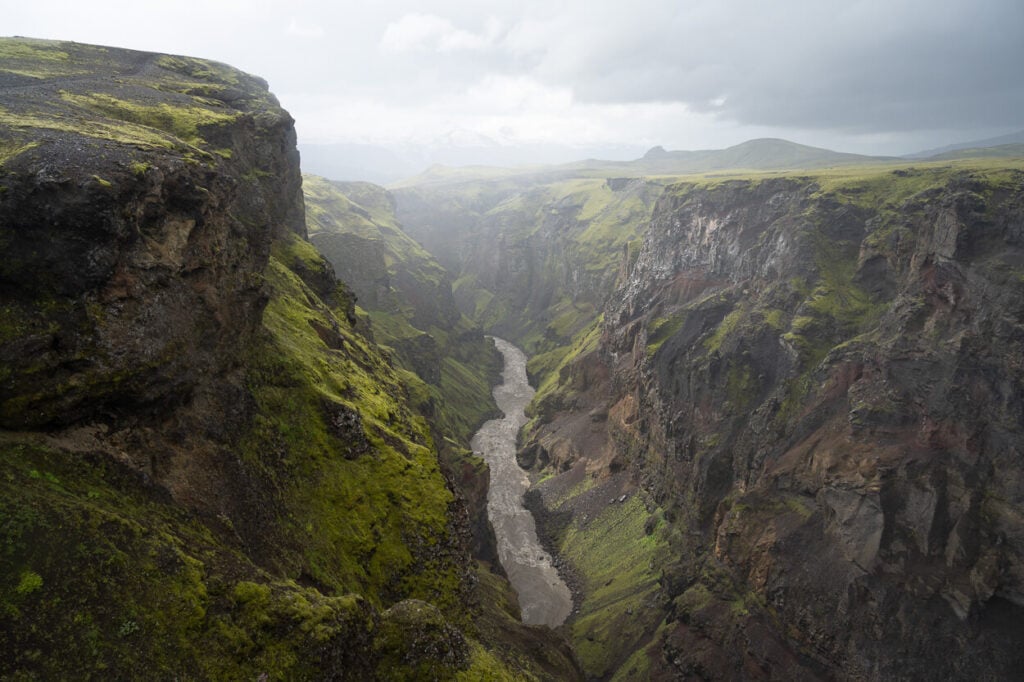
(544,598)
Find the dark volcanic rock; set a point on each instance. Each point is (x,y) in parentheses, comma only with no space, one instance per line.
(533,456)
(134,217)
(823,391)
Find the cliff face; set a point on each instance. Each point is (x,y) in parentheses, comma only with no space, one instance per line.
(819,382)
(133,215)
(206,469)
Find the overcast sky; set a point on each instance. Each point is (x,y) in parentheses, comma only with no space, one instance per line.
(872,76)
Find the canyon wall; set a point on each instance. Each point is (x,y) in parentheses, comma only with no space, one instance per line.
(817,384)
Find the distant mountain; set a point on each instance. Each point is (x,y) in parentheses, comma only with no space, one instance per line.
(454,154)
(1002,140)
(760,154)
(1001,151)
(766,154)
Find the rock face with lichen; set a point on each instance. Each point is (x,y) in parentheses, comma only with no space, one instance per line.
(207,469)
(140,194)
(820,384)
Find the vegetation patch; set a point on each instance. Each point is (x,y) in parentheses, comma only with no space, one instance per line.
(725,329)
(451,365)
(125,133)
(661,329)
(183,122)
(618,556)
(199,69)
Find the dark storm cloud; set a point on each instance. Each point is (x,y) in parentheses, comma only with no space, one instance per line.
(858,66)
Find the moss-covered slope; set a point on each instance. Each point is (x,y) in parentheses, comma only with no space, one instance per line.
(407,296)
(406,301)
(207,470)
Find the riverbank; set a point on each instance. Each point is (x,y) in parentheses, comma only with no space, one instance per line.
(554,506)
(550,525)
(607,540)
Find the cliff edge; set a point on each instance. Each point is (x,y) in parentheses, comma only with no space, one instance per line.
(207,470)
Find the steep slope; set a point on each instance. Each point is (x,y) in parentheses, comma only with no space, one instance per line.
(816,384)
(534,257)
(207,470)
(407,298)
(537,257)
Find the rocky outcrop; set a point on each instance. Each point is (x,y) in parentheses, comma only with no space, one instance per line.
(130,251)
(821,387)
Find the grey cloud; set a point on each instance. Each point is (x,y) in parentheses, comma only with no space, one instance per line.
(833,71)
(860,66)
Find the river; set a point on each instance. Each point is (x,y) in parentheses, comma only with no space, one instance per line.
(544,598)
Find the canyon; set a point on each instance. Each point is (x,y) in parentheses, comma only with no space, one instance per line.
(813,382)
(777,431)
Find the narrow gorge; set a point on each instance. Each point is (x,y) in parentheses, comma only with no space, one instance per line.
(255,424)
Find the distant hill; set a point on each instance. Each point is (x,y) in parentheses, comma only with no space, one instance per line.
(760,154)
(1001,151)
(766,154)
(942,152)
(384,164)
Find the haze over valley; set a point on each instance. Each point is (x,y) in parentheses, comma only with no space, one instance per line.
(493,341)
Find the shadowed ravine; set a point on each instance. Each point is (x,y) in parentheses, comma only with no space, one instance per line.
(544,597)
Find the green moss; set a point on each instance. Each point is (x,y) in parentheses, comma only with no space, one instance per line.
(10,150)
(29,582)
(741,385)
(775,318)
(724,330)
(618,560)
(661,329)
(35,58)
(360,518)
(104,561)
(199,69)
(695,598)
(485,665)
(183,122)
(125,133)
(552,367)
(460,399)
(95,565)
(415,642)
(33,50)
